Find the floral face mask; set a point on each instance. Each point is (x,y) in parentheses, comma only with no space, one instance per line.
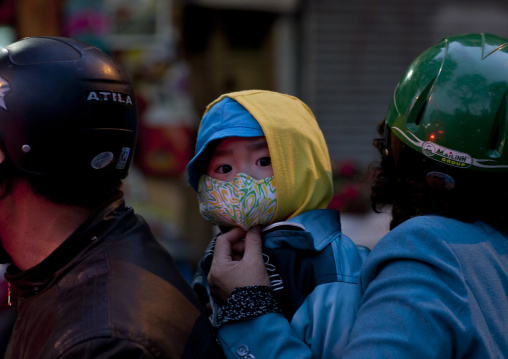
(242,202)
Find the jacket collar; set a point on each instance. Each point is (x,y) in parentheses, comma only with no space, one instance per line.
(312,230)
(34,280)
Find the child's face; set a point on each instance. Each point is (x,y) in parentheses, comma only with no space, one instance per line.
(235,155)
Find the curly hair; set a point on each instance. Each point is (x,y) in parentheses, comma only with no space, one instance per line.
(476,196)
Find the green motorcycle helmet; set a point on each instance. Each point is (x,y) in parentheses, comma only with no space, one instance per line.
(449,110)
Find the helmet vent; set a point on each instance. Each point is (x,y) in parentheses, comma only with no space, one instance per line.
(499,131)
(420,114)
(420,105)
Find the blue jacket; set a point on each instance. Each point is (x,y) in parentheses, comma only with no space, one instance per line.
(314,270)
(434,287)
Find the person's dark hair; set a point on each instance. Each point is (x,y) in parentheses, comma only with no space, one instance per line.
(91,192)
(476,195)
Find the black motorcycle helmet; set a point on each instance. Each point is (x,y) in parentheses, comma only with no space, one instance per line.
(65,108)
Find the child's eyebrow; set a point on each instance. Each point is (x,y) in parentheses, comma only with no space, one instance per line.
(222,152)
(259,144)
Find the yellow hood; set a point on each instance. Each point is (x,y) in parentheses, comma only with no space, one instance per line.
(300,159)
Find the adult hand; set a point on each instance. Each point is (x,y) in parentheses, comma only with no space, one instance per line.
(237,263)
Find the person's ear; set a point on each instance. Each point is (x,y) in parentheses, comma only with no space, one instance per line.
(3,178)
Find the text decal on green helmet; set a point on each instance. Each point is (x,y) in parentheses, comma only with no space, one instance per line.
(446,155)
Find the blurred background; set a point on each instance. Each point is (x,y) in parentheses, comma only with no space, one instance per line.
(343,58)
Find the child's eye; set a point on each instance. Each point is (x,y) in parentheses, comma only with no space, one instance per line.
(224,169)
(265,161)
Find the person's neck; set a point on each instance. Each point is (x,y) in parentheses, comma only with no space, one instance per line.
(31,228)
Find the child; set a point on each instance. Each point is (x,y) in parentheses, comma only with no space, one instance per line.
(261,160)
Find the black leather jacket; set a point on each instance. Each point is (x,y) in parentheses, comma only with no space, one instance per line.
(110,290)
